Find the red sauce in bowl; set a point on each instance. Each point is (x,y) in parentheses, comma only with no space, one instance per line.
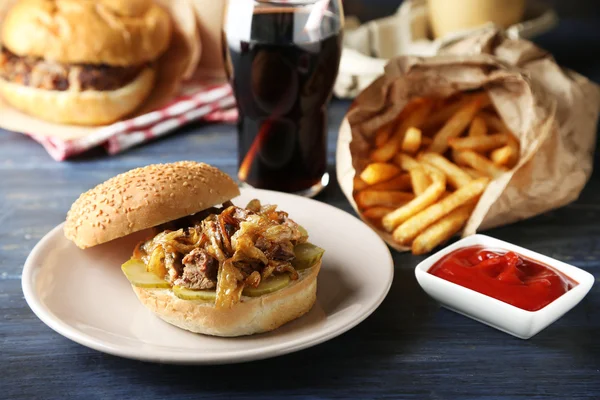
(504,275)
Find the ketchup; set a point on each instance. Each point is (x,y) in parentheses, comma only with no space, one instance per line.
(506,276)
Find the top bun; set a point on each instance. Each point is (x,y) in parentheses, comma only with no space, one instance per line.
(113,32)
(146,197)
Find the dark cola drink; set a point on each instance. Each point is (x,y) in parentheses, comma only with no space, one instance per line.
(282,74)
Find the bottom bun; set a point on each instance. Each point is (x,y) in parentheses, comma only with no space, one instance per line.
(89,107)
(251,315)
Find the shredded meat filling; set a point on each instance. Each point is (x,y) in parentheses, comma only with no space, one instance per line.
(200,270)
(225,248)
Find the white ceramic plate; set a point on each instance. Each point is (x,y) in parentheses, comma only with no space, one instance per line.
(84,296)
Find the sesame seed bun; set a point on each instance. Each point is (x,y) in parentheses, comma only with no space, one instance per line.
(113,32)
(146,197)
(252,315)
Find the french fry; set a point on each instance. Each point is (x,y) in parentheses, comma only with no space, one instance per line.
(387,198)
(426,141)
(445,108)
(441,230)
(374,215)
(455,175)
(419,180)
(456,124)
(473,173)
(383,134)
(443,114)
(399,182)
(412,140)
(480,163)
(359,184)
(439,117)
(387,151)
(478,127)
(411,228)
(456,158)
(391,147)
(377,212)
(480,144)
(445,187)
(493,121)
(445,194)
(419,203)
(406,162)
(379,172)
(411,106)
(502,156)
(508,155)
(430,169)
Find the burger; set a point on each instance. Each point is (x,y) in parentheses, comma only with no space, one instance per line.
(81,62)
(206,265)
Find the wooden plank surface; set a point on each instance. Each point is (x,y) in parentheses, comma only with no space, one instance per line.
(409,348)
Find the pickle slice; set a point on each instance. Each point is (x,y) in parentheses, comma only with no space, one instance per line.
(190,294)
(269,285)
(307,255)
(303,231)
(136,273)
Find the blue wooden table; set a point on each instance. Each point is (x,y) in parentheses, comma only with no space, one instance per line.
(409,348)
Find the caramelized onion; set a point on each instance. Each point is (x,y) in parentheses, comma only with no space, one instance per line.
(229,285)
(253,279)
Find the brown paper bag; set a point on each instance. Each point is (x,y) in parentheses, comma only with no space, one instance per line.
(175,65)
(552,111)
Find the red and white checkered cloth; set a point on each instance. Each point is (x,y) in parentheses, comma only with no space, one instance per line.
(214,103)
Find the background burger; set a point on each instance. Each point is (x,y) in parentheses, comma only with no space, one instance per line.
(207,266)
(81,62)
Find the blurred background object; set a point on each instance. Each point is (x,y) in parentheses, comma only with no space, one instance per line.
(376,31)
(447,17)
(189,84)
(367,10)
(572,43)
(421,27)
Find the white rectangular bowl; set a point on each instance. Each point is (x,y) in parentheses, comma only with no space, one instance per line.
(495,313)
